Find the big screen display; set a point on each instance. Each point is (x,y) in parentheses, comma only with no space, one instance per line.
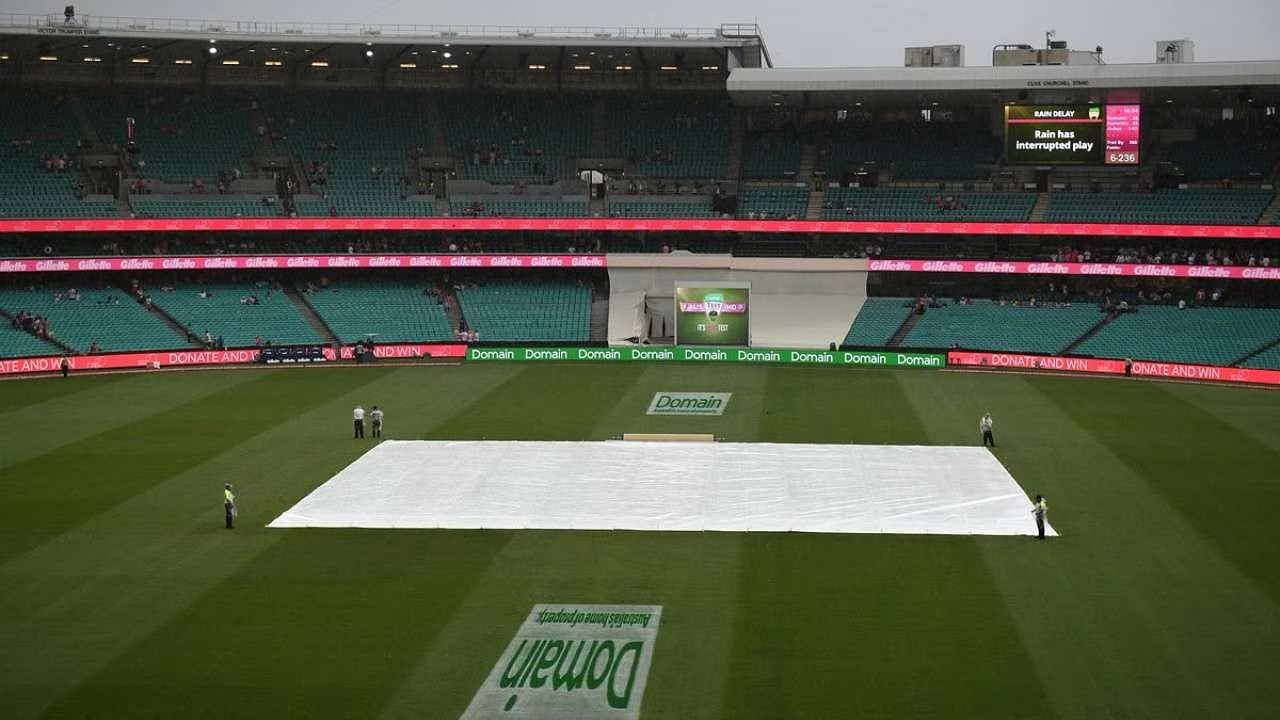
(708,314)
(1072,134)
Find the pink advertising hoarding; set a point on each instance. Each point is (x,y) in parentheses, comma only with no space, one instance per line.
(295,262)
(96,225)
(191,357)
(1141,368)
(1020,267)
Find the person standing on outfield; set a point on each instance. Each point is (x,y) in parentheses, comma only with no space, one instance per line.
(984,424)
(376,417)
(1040,508)
(358,416)
(65,366)
(229,504)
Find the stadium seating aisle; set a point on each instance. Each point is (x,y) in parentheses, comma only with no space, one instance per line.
(224,312)
(393,311)
(877,321)
(988,325)
(511,311)
(107,317)
(1212,336)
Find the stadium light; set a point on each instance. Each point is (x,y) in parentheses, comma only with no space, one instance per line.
(449,66)
(622,67)
(213,51)
(668,68)
(139,61)
(93,59)
(273,63)
(49,58)
(710,67)
(4,57)
(581,67)
(537,67)
(230,62)
(320,63)
(182,61)
(368,53)
(408,66)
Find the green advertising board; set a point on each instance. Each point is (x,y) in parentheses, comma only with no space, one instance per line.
(679,353)
(713,315)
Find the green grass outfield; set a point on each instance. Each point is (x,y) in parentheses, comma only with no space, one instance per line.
(122,596)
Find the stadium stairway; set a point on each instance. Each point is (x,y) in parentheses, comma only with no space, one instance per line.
(737,144)
(1254,353)
(309,314)
(1088,334)
(901,333)
(1271,215)
(164,317)
(599,330)
(1041,207)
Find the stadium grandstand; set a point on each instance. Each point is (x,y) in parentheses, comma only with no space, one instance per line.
(848,263)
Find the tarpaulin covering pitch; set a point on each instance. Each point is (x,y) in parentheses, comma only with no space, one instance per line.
(757,487)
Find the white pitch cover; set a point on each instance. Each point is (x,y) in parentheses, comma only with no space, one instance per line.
(622,485)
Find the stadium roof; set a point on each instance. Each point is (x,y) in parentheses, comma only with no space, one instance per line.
(1139,82)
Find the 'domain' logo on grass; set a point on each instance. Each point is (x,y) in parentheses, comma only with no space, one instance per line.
(686,403)
(572,661)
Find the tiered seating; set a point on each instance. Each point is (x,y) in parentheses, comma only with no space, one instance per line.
(1198,205)
(774,201)
(664,209)
(222,313)
(566,207)
(369,130)
(918,204)
(394,311)
(187,206)
(27,189)
(519,311)
(671,137)
(107,317)
(987,325)
(1213,336)
(516,126)
(771,155)
(182,137)
(16,343)
(877,321)
(1269,359)
(914,153)
(1217,161)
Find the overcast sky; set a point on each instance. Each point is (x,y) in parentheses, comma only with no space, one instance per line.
(823,33)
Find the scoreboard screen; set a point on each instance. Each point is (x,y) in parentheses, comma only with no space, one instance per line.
(1072,134)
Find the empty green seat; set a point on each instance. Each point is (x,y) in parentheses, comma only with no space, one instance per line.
(223,314)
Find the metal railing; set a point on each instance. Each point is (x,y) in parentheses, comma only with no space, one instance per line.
(105,25)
